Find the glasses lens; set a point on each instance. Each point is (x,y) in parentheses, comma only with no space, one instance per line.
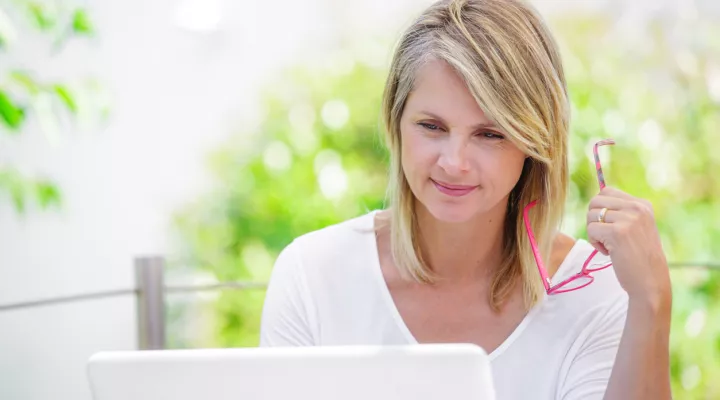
(576,282)
(597,265)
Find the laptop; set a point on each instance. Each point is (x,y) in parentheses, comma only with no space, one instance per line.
(417,372)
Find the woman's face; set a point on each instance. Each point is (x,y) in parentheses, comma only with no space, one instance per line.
(457,163)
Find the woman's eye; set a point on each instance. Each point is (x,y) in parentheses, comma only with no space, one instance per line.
(491,135)
(428,126)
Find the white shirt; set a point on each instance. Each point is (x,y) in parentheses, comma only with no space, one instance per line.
(327,288)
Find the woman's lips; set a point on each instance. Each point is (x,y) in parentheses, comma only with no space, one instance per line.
(453,190)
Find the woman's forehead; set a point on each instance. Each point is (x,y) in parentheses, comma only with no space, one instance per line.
(441,93)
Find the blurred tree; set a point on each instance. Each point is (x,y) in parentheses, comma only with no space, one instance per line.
(24,95)
(315,160)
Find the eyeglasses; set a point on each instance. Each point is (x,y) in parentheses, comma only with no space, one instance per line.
(582,278)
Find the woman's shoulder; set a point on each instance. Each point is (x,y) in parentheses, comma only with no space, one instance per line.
(344,233)
(349,242)
(605,284)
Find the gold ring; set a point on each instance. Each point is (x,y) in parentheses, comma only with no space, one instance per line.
(601,216)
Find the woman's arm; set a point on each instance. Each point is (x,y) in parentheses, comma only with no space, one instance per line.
(624,227)
(288,312)
(642,364)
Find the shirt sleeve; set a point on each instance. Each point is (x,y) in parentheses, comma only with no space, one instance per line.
(588,373)
(287,309)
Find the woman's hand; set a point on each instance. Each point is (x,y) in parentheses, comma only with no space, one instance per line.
(628,233)
(630,236)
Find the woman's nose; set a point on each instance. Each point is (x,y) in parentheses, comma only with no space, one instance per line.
(454,156)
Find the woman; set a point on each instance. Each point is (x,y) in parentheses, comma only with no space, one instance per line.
(476,114)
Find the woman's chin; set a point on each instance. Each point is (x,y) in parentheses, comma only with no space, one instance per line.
(451,213)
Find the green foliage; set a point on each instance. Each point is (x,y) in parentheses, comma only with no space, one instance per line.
(318,161)
(24,95)
(41,16)
(81,23)
(653,97)
(11,114)
(21,189)
(67,99)
(695,334)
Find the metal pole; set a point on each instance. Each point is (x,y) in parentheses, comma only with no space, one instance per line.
(150,283)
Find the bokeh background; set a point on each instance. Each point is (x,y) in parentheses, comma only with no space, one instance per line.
(212,132)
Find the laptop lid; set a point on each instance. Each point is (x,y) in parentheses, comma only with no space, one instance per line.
(418,372)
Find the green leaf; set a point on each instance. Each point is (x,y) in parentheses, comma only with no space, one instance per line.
(47,194)
(17,195)
(41,17)
(64,94)
(22,190)
(11,183)
(26,81)
(10,113)
(81,23)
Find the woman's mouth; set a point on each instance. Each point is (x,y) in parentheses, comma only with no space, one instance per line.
(453,190)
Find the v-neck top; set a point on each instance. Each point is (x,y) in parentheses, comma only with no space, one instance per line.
(327,288)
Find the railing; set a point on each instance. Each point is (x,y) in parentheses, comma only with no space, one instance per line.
(150,291)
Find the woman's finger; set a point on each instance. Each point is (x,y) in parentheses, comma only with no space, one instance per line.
(598,236)
(609,217)
(603,201)
(599,247)
(632,205)
(615,192)
(602,234)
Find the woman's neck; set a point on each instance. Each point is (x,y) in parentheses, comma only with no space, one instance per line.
(467,251)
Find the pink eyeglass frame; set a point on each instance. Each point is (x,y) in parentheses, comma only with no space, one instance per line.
(585,271)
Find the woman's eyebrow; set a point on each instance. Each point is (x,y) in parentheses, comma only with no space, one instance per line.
(488,124)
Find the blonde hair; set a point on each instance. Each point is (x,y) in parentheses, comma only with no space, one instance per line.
(510,62)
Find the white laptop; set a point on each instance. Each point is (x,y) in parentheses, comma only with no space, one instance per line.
(418,372)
